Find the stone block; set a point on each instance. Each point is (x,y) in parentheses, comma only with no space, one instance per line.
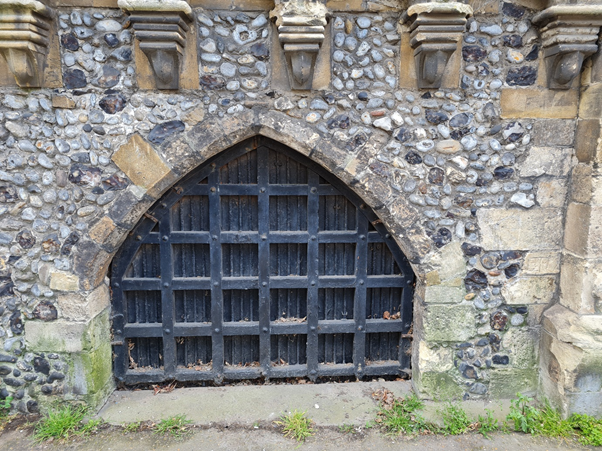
(83,307)
(586,139)
(590,106)
(522,345)
(68,336)
(140,163)
(61,281)
(530,290)
(449,323)
(100,231)
(571,360)
(485,6)
(553,132)
(434,359)
(55,336)
(577,228)
(450,262)
(62,102)
(441,294)
(92,263)
(541,263)
(581,186)
(553,161)
(506,383)
(437,386)
(536,229)
(344,5)
(539,103)
(595,231)
(588,403)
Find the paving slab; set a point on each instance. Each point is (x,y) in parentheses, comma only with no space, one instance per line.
(327,404)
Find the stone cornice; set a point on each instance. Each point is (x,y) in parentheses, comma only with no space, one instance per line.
(440,8)
(300,25)
(156,6)
(569,35)
(25,38)
(161,28)
(436,29)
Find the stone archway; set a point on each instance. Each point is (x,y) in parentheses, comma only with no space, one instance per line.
(153,169)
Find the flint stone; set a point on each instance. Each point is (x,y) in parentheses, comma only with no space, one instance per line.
(113,103)
(109,78)
(161,131)
(69,42)
(522,76)
(74,79)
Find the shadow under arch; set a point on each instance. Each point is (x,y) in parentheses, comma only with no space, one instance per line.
(153,318)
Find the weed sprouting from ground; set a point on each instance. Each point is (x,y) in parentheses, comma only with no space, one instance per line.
(548,422)
(347,429)
(487,424)
(176,426)
(455,420)
(401,416)
(64,422)
(588,428)
(129,428)
(296,425)
(523,414)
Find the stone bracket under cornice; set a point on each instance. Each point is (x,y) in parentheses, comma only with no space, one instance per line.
(436,29)
(569,34)
(161,27)
(25,27)
(301,27)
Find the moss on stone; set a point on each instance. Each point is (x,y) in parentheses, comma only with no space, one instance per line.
(439,386)
(506,383)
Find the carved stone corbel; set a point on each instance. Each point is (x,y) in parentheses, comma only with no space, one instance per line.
(300,25)
(161,26)
(569,34)
(436,29)
(24,39)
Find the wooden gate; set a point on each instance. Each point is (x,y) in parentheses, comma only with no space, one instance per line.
(260,264)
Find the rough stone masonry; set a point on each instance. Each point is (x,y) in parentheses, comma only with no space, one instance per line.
(472,129)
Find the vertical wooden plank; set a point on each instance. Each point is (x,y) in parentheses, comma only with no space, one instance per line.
(263,218)
(361,264)
(167,298)
(215,250)
(313,206)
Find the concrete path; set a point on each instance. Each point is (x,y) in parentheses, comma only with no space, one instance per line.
(241,418)
(328,405)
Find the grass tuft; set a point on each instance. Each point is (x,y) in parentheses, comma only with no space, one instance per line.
(174,426)
(63,423)
(401,416)
(296,425)
(129,428)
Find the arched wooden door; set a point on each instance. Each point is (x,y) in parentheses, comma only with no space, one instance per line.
(260,264)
